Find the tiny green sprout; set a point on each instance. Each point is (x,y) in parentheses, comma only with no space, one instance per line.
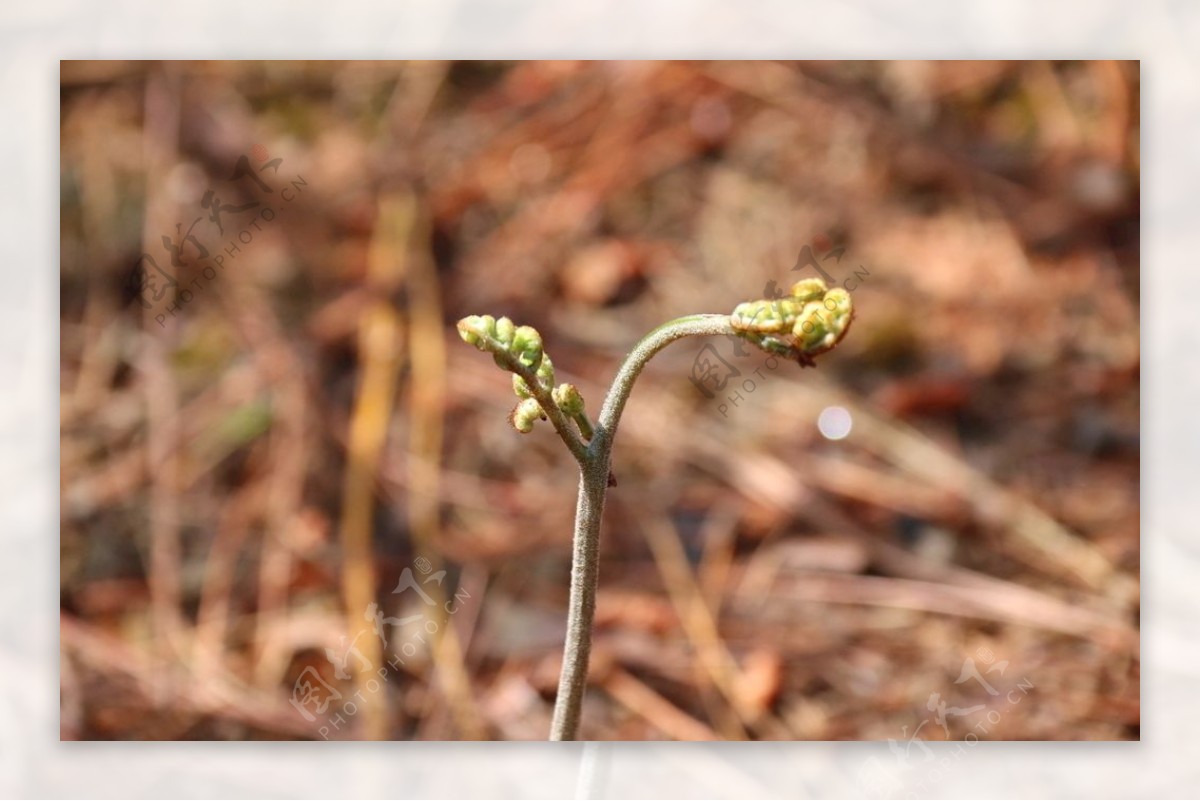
(810,320)
(524,414)
(568,399)
(527,345)
(767,316)
(808,289)
(544,377)
(504,330)
(475,329)
(545,372)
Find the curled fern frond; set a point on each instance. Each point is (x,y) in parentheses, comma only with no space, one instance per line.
(810,320)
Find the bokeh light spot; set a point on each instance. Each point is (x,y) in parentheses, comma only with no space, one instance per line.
(834,422)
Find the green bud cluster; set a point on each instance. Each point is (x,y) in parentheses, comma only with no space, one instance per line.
(808,321)
(503,339)
(519,350)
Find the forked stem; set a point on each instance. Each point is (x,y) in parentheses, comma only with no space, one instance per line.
(808,321)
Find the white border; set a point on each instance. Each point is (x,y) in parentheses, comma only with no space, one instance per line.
(35,35)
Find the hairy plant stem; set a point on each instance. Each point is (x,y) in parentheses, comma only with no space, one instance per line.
(594,464)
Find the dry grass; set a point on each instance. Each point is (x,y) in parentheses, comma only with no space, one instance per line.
(242,482)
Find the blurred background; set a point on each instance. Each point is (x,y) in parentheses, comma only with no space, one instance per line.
(291,504)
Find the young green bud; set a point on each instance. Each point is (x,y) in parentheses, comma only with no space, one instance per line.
(824,321)
(524,414)
(545,372)
(808,289)
(527,346)
(504,330)
(766,316)
(770,319)
(567,398)
(475,329)
(837,301)
(520,387)
(757,315)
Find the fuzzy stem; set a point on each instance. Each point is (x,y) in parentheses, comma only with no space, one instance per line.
(593,484)
(695,325)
